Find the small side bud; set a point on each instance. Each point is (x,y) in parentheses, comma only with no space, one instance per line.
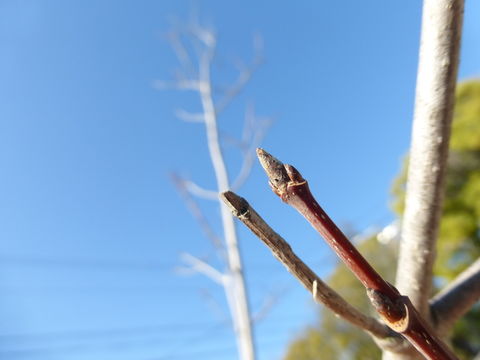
(393,312)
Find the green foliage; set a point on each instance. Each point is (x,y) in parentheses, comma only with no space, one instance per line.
(458,246)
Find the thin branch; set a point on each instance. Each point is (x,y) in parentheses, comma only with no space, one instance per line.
(456,298)
(206,36)
(243,78)
(396,310)
(198,215)
(268,304)
(236,88)
(214,305)
(193,85)
(436,79)
(199,191)
(189,117)
(249,153)
(174,37)
(320,291)
(202,267)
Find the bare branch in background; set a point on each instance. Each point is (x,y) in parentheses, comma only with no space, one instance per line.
(182,54)
(202,267)
(456,298)
(256,136)
(196,59)
(244,76)
(177,85)
(215,306)
(197,190)
(268,304)
(189,117)
(198,215)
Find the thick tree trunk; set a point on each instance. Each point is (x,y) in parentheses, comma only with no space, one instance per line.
(436,79)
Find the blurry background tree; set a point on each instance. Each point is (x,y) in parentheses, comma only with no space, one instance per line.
(458,246)
(195,46)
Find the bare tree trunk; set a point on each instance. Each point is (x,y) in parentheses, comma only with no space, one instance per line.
(235,288)
(196,45)
(436,79)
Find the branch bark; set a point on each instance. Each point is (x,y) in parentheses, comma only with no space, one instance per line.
(456,299)
(320,291)
(396,310)
(437,75)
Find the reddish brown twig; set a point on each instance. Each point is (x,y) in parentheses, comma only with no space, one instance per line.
(396,310)
(321,292)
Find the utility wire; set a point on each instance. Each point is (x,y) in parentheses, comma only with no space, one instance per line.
(85,334)
(38,261)
(81,334)
(116,345)
(93,264)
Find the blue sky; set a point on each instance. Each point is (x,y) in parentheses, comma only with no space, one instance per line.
(91,228)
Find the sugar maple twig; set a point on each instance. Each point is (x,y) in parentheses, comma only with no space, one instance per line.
(284,253)
(396,310)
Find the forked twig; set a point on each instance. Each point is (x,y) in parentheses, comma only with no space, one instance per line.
(320,291)
(396,310)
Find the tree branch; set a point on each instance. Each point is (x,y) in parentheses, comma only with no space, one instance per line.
(243,78)
(199,191)
(320,291)
(437,75)
(198,215)
(201,49)
(456,298)
(202,267)
(188,116)
(249,154)
(192,85)
(396,310)
(268,304)
(174,37)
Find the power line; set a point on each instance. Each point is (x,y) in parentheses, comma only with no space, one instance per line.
(80,346)
(81,334)
(35,261)
(214,351)
(93,264)
(95,333)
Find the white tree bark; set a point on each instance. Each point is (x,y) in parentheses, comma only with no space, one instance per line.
(436,80)
(235,287)
(201,47)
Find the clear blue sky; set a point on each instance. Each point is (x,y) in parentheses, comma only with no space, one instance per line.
(90,226)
